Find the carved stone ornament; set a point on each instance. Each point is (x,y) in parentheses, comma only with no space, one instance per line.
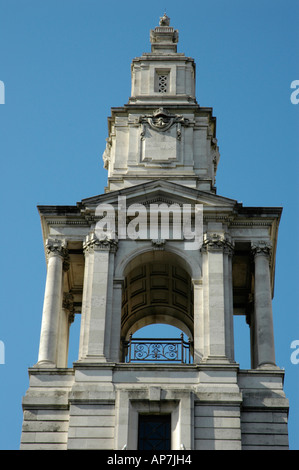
(216,242)
(215,153)
(161,120)
(106,155)
(66,262)
(158,244)
(101,242)
(261,247)
(164,20)
(68,304)
(56,247)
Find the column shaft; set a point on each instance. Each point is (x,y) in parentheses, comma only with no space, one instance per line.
(115,347)
(228,303)
(85,315)
(97,300)
(66,318)
(216,304)
(98,304)
(264,351)
(198,336)
(52,305)
(217,296)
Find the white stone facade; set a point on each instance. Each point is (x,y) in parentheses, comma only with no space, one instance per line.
(162,133)
(161,150)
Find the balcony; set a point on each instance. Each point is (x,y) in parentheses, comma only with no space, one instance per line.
(167,350)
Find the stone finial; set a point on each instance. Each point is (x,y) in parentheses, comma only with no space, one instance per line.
(164,20)
(164,38)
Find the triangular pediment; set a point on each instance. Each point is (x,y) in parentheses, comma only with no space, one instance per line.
(158,192)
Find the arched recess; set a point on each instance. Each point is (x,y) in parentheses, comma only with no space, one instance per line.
(157,289)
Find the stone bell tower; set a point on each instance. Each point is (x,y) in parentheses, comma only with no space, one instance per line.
(158,246)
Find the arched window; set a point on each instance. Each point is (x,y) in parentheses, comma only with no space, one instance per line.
(157,290)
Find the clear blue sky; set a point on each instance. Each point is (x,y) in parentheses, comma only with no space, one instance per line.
(64,64)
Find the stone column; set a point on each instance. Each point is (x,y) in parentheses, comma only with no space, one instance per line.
(96,298)
(198,336)
(85,313)
(217,298)
(228,251)
(56,253)
(66,318)
(263,336)
(115,346)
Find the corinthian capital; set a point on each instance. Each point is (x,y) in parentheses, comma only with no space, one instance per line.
(104,242)
(215,242)
(56,247)
(261,248)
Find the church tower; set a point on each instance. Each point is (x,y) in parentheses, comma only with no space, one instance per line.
(159,246)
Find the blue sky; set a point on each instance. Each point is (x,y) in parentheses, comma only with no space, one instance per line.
(64,64)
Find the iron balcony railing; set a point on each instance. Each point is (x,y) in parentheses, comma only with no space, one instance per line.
(158,350)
